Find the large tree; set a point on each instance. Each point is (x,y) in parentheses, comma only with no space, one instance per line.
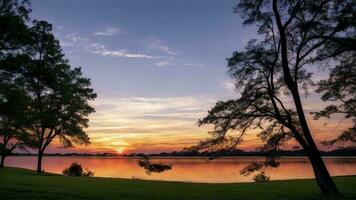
(60,95)
(273,70)
(14,39)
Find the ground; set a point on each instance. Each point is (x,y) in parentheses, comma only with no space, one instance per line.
(27,185)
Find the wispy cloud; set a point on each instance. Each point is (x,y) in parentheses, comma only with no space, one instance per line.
(100,49)
(155,43)
(73,39)
(163,63)
(172,57)
(193,64)
(168,120)
(110,31)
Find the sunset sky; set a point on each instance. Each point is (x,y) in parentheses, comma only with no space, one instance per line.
(156,67)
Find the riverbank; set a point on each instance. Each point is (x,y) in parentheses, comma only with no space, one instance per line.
(19,184)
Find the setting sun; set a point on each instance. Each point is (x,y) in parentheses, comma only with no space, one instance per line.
(119,151)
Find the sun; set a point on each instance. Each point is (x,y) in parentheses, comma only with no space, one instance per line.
(120,150)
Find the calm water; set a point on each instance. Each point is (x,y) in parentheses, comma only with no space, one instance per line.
(222,170)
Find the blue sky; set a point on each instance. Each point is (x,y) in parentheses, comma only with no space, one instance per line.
(181,46)
(157,67)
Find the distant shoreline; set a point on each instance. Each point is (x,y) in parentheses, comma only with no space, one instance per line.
(346,152)
(180,157)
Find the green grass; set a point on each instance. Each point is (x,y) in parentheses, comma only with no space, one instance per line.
(27,185)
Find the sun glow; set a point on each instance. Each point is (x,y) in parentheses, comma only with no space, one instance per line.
(120,150)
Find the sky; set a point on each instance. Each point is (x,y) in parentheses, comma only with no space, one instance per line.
(157,67)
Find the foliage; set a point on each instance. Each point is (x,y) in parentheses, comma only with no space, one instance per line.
(59,94)
(153,167)
(13,121)
(14,102)
(340,88)
(261,177)
(14,31)
(53,97)
(76,169)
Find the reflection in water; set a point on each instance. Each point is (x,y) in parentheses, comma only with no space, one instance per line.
(150,167)
(221,170)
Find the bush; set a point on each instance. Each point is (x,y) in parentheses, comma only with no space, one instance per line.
(261,177)
(76,169)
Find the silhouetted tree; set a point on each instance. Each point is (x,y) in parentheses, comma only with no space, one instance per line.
(271,72)
(59,94)
(14,39)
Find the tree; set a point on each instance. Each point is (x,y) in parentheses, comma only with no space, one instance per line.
(14,39)
(340,88)
(13,106)
(271,72)
(59,94)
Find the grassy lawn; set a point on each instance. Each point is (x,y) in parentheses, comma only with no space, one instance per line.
(27,185)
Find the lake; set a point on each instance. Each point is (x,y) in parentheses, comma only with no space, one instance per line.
(220,170)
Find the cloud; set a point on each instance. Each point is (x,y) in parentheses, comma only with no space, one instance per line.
(100,49)
(121,53)
(110,31)
(193,64)
(163,63)
(147,121)
(125,113)
(155,43)
(73,39)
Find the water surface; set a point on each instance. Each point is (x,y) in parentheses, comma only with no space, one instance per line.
(221,170)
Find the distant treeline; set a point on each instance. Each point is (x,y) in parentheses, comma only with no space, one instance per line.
(238,152)
(66,154)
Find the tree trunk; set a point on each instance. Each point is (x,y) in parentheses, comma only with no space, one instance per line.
(39,161)
(2,160)
(322,176)
(3,150)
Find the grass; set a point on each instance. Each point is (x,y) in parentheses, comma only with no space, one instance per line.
(22,184)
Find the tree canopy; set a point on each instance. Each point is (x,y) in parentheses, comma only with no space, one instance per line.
(59,94)
(275,69)
(32,64)
(14,38)
(340,88)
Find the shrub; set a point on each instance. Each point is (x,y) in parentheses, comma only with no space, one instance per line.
(261,177)
(76,169)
